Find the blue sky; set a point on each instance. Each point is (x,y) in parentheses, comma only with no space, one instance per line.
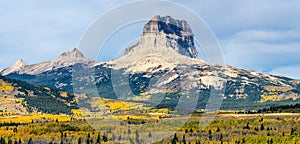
(261,35)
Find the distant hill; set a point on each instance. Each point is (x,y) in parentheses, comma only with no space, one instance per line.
(293,108)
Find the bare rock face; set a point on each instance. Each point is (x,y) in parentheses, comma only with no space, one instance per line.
(74,54)
(167,32)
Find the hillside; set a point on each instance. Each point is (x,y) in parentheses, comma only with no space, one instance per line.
(19,97)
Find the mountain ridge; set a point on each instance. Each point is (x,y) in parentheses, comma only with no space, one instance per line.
(64,60)
(163,61)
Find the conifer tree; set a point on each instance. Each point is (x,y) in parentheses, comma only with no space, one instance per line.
(183,139)
(79,140)
(262,127)
(98,139)
(175,139)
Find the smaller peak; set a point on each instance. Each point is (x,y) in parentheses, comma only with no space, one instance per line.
(75,53)
(157,17)
(20,62)
(18,66)
(75,50)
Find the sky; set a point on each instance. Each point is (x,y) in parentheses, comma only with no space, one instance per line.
(260,35)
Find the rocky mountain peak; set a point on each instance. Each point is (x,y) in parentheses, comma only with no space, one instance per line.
(20,63)
(64,60)
(168,32)
(74,54)
(18,66)
(164,43)
(168,25)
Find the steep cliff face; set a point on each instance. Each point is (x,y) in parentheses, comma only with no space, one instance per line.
(164,43)
(167,32)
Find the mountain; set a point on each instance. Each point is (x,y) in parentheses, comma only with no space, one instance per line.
(161,36)
(162,69)
(64,60)
(168,32)
(19,97)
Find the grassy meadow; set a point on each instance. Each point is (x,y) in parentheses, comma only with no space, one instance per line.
(225,128)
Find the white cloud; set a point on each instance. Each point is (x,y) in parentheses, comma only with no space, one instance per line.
(267,35)
(254,34)
(230,16)
(255,47)
(262,50)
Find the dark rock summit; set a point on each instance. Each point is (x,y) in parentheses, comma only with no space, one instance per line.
(172,33)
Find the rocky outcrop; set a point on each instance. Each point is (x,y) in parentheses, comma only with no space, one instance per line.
(18,66)
(167,32)
(74,54)
(164,43)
